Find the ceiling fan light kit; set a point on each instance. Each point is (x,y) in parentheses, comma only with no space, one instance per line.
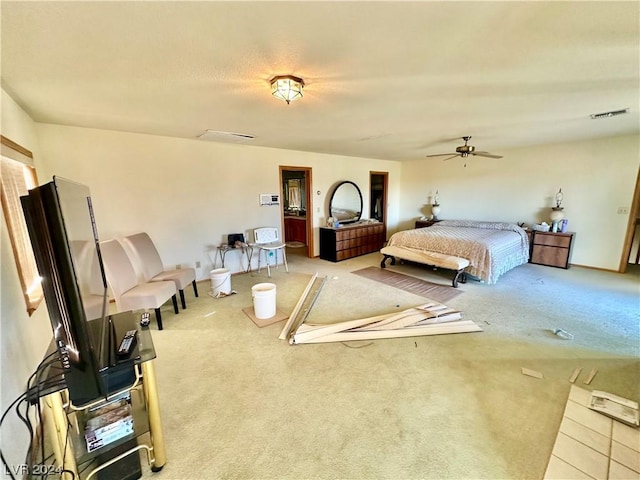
(287,87)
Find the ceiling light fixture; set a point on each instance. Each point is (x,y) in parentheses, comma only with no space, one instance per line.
(287,87)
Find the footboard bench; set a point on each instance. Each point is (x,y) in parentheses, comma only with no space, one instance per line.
(434,259)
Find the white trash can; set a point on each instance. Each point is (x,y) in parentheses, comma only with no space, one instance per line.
(264,300)
(220,281)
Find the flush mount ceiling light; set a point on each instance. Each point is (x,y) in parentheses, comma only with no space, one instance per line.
(287,87)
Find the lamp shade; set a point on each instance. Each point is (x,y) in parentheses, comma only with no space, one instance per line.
(287,87)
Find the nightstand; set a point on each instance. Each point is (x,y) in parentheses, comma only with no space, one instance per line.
(425,223)
(551,248)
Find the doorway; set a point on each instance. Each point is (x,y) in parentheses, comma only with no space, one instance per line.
(631,250)
(297,209)
(378,187)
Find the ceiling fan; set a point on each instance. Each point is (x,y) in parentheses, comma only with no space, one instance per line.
(465,150)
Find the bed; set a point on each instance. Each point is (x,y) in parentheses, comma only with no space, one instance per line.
(491,248)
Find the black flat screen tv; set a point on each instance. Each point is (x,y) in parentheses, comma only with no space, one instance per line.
(63,233)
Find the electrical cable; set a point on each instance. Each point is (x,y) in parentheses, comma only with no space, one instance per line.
(6,466)
(27,421)
(4,461)
(64,456)
(25,418)
(38,385)
(24,396)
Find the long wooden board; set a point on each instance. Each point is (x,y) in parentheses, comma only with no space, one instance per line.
(428,319)
(462,326)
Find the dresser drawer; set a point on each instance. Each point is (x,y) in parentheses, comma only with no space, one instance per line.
(338,244)
(552,239)
(550,256)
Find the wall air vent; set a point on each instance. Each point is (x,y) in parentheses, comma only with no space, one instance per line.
(228,137)
(609,114)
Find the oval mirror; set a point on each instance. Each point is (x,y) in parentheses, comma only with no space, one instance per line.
(346,202)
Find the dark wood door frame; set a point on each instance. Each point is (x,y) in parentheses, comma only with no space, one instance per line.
(308,180)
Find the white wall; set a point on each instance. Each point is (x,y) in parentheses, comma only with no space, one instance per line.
(23,339)
(596,177)
(189,194)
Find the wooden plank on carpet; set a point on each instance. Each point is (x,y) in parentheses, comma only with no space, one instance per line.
(427,319)
(409,284)
(459,326)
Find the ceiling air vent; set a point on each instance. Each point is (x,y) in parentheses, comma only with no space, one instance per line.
(229,137)
(609,114)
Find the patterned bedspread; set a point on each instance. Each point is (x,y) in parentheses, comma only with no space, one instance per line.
(492,248)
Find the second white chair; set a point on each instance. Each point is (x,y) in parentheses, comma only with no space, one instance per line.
(128,292)
(267,241)
(153,269)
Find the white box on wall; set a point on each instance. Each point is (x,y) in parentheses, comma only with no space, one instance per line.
(269,199)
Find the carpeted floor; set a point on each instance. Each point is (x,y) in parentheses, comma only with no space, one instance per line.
(236,402)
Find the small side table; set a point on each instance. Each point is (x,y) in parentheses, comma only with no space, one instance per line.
(551,248)
(425,223)
(222,250)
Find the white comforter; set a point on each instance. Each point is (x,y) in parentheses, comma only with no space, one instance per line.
(492,248)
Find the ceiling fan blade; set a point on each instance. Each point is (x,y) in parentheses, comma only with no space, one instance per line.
(440,154)
(486,154)
(449,158)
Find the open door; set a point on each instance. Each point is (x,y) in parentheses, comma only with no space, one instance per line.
(297,209)
(378,187)
(631,249)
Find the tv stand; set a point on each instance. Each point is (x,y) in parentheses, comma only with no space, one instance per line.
(64,422)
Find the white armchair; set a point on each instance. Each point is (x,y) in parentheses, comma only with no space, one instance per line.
(153,269)
(128,292)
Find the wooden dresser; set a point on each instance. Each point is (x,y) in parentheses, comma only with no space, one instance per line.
(551,248)
(349,241)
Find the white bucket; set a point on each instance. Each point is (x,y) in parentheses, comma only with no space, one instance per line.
(264,300)
(220,281)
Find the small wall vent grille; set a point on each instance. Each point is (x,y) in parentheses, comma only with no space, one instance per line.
(230,137)
(609,114)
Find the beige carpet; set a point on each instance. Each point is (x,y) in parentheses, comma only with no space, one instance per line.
(237,403)
(410,284)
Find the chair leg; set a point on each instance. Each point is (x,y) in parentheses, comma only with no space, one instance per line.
(175,303)
(158,318)
(184,304)
(259,256)
(195,288)
(284,258)
(266,254)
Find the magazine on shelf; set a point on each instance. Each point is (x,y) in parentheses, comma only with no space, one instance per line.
(108,422)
